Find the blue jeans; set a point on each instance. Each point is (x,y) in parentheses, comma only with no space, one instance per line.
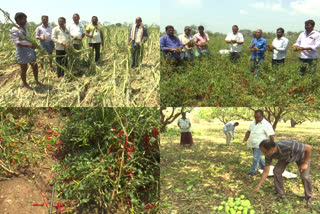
(256,161)
(257,66)
(187,55)
(204,52)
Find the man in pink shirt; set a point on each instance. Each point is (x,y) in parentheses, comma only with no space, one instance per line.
(201,40)
(308,42)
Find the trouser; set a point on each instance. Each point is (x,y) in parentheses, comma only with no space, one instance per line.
(228,137)
(61,60)
(278,61)
(256,66)
(256,161)
(135,54)
(96,48)
(303,68)
(234,56)
(305,177)
(187,55)
(77,46)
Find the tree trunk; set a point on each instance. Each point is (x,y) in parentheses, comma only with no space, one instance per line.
(293,123)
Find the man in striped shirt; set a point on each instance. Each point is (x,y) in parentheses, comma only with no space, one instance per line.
(287,151)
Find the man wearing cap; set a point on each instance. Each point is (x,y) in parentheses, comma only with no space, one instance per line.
(235,41)
(186,40)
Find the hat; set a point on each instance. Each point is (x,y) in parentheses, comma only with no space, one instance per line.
(187,28)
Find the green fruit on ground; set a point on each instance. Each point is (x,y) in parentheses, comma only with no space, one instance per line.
(220,208)
(215,208)
(238,199)
(242,196)
(252,212)
(223,203)
(232,204)
(239,212)
(240,208)
(237,203)
(227,209)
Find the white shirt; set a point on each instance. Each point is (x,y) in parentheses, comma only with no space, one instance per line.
(184,124)
(184,39)
(59,36)
(281,46)
(259,132)
(311,40)
(229,127)
(76,30)
(235,47)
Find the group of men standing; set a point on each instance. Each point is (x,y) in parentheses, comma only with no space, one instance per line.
(181,47)
(63,37)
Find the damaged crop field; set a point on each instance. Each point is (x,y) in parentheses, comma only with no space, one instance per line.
(109,82)
(79,160)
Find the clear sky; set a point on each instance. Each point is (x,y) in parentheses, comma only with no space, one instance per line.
(112,11)
(220,15)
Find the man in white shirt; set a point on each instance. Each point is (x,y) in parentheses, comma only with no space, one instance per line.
(186,40)
(260,129)
(235,41)
(61,38)
(280,47)
(227,129)
(77,31)
(308,43)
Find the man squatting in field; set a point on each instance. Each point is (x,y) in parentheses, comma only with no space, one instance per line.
(287,151)
(308,42)
(170,45)
(24,49)
(138,34)
(259,129)
(43,33)
(95,37)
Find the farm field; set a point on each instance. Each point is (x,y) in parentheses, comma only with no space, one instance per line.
(110,82)
(215,81)
(79,160)
(198,179)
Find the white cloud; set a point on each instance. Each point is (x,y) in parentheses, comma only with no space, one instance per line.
(191,3)
(243,12)
(258,5)
(309,7)
(273,5)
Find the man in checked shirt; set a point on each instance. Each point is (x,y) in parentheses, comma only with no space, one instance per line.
(287,151)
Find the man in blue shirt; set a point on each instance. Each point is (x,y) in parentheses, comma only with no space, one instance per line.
(257,47)
(138,35)
(170,45)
